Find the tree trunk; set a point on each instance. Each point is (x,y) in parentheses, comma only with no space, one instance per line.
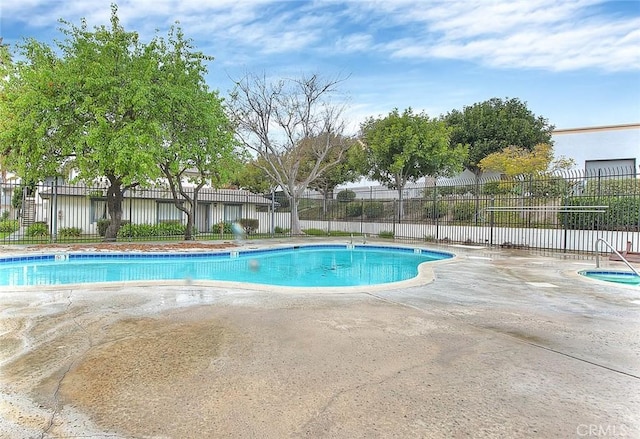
(295,219)
(188,231)
(114,208)
(400,203)
(192,211)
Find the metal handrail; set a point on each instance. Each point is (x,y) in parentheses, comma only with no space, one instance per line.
(616,252)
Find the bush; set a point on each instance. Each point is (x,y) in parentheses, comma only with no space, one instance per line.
(280,231)
(8,226)
(623,213)
(373,209)
(549,187)
(37,230)
(613,186)
(386,234)
(102,226)
(346,195)
(4,216)
(497,188)
(223,227)
(464,211)
(171,228)
(69,232)
(250,225)
(353,209)
(436,209)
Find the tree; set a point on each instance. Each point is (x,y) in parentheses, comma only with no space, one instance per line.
(92,105)
(539,163)
(280,121)
(252,177)
(405,147)
(349,169)
(196,143)
(491,126)
(513,161)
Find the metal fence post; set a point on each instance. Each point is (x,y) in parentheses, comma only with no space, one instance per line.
(361,216)
(491,219)
(394,216)
(54,211)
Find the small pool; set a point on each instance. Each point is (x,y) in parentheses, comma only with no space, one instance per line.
(299,266)
(619,277)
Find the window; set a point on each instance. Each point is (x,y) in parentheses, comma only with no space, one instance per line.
(232,212)
(98,209)
(167,211)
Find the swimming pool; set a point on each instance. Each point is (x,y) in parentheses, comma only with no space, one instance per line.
(299,266)
(619,277)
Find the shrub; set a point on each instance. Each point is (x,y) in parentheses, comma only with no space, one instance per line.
(497,187)
(386,234)
(623,213)
(373,209)
(170,228)
(70,232)
(613,186)
(549,186)
(464,211)
(445,190)
(436,209)
(102,226)
(250,225)
(223,227)
(4,216)
(38,229)
(346,195)
(8,226)
(280,231)
(353,209)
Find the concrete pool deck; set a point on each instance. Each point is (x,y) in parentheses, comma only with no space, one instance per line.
(502,343)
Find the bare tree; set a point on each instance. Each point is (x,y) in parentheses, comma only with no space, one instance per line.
(281,121)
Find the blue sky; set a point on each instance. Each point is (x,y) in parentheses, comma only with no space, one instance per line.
(576,63)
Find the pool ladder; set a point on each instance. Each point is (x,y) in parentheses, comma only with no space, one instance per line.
(615,251)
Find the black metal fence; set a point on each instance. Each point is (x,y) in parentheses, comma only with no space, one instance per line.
(561,212)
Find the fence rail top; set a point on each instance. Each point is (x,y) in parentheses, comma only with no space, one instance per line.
(560,209)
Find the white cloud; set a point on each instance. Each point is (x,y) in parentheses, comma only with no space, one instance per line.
(545,34)
(357,42)
(542,34)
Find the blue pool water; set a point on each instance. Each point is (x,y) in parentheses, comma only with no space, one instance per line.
(318,266)
(619,277)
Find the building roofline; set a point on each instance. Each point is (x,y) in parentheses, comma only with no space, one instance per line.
(626,126)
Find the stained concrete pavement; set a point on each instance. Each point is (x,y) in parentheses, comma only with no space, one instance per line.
(502,343)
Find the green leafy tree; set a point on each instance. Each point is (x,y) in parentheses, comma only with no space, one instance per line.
(403,147)
(196,146)
(92,104)
(539,164)
(491,126)
(349,169)
(252,177)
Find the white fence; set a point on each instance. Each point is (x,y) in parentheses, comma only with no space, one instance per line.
(521,237)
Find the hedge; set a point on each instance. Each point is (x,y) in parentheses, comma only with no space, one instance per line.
(151,230)
(623,213)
